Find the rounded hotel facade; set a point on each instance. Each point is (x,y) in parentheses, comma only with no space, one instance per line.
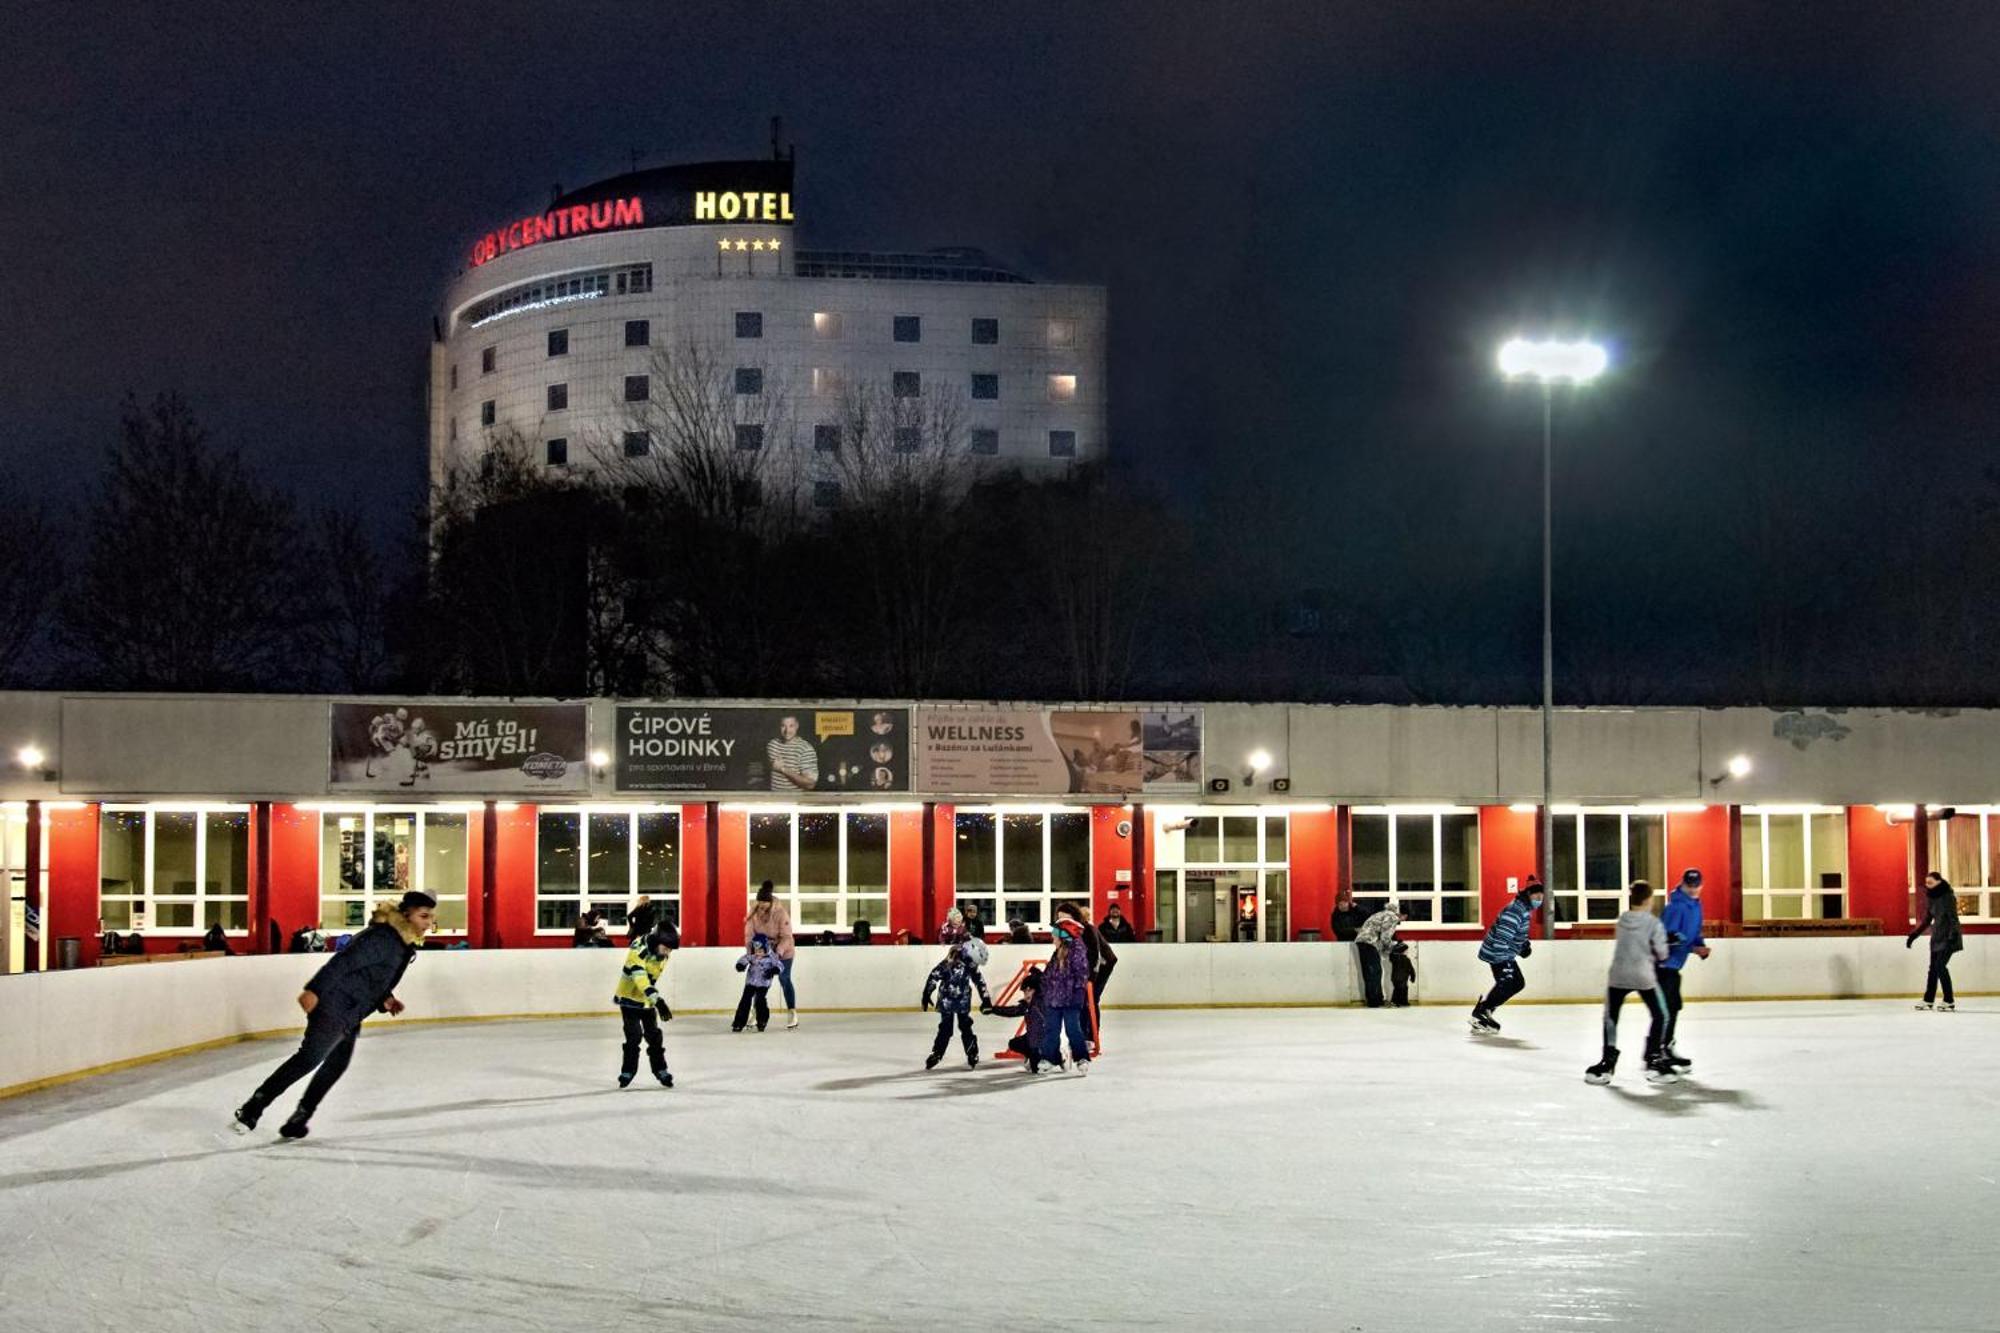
(563,325)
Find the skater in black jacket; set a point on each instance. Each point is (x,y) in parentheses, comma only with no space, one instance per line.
(1941,920)
(358,981)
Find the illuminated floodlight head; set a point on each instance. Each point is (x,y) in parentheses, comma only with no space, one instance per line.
(1739,766)
(30,756)
(600,758)
(1259,760)
(1552,361)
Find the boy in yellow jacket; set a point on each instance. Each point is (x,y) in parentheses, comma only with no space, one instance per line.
(640,1006)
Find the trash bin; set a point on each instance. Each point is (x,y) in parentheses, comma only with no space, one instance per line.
(1309,936)
(69,953)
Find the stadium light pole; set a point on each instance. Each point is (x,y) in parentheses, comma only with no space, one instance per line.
(1550,363)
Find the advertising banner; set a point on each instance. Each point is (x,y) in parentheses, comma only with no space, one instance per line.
(471,748)
(1033,751)
(693,747)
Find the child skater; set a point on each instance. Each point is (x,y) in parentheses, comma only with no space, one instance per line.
(1030,1007)
(1066,991)
(1506,941)
(1642,947)
(952,981)
(640,1006)
(760,967)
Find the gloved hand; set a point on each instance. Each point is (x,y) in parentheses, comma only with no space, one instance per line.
(666,1014)
(1912,939)
(1526,948)
(927,1006)
(985,1008)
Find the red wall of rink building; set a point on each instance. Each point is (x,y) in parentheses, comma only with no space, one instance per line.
(1824,836)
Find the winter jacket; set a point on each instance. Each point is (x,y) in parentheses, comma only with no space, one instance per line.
(359,980)
(1347,922)
(1507,939)
(1067,976)
(1642,947)
(952,982)
(1681,917)
(1379,930)
(1119,931)
(774,925)
(760,970)
(639,979)
(1033,1008)
(1941,919)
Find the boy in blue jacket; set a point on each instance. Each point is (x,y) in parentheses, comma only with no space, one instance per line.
(1682,919)
(1506,941)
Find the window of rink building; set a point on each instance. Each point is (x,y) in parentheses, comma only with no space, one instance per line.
(1965,849)
(1222,878)
(1016,864)
(603,858)
(831,867)
(174,870)
(1598,852)
(372,854)
(1794,863)
(1427,857)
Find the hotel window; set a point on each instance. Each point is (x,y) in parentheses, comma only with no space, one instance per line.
(749,380)
(826,494)
(558,397)
(830,867)
(638,332)
(1062,388)
(825,382)
(749,324)
(1428,860)
(906,384)
(638,388)
(486,355)
(558,342)
(604,858)
(1019,863)
(1794,863)
(749,438)
(1062,333)
(985,332)
(826,324)
(638,444)
(909,439)
(558,453)
(1062,444)
(909,328)
(1596,856)
(826,438)
(985,386)
(635,281)
(985,441)
(1965,849)
(370,855)
(166,870)
(486,416)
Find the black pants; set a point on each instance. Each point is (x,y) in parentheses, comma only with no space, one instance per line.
(641,1021)
(1371,973)
(1098,981)
(1507,983)
(1656,1035)
(1670,992)
(1022,1046)
(1402,972)
(964,1034)
(759,996)
(328,1046)
(1940,975)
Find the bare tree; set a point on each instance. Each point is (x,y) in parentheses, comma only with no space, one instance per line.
(31,577)
(349,631)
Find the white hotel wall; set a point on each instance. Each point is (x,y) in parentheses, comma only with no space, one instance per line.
(52,1024)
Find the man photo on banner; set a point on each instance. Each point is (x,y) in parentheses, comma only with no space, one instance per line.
(794,762)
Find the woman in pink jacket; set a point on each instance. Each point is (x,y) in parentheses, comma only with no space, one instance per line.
(773,920)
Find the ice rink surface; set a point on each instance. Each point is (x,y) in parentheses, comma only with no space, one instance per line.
(1831,1166)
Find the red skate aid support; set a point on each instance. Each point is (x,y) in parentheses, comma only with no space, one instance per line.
(1013,988)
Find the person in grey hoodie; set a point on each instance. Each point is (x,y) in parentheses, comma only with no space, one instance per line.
(1642,947)
(1941,920)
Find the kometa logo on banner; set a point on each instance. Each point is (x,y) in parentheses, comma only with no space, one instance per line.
(681,747)
(396,745)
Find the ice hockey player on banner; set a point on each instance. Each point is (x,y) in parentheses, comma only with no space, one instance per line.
(1682,919)
(1506,941)
(1641,948)
(640,1006)
(952,982)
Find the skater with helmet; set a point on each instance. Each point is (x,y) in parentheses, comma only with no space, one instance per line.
(1682,921)
(1506,941)
(1642,947)
(951,984)
(1941,920)
(1065,991)
(641,1008)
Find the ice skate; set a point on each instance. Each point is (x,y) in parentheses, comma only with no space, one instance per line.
(1925,1004)
(791,1018)
(296,1127)
(625,1079)
(1079,1067)
(666,1079)
(972,1062)
(931,1061)
(1659,1071)
(245,1118)
(1600,1073)
(1680,1062)
(1482,1021)
(1947,1008)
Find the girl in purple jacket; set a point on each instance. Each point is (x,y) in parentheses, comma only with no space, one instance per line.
(1066,990)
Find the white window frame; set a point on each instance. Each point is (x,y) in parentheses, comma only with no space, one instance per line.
(582,896)
(1573,900)
(419,861)
(845,895)
(1809,895)
(1437,897)
(1985,894)
(145,914)
(996,893)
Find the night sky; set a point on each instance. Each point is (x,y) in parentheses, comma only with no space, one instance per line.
(1315,221)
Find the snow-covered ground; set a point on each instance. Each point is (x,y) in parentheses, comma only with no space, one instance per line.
(1832,1166)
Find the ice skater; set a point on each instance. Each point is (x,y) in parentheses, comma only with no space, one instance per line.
(1506,941)
(951,983)
(1032,1007)
(773,920)
(1372,944)
(358,981)
(1941,920)
(1066,990)
(1642,947)
(1682,920)
(641,1008)
(760,968)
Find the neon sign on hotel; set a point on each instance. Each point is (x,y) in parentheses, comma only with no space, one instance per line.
(575,220)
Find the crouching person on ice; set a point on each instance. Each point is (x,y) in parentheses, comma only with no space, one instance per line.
(640,1006)
(951,983)
(1032,1008)
(358,981)
(1642,947)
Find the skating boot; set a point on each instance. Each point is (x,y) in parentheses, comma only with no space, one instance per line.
(931,1061)
(1601,1072)
(666,1079)
(1080,1068)
(1482,1021)
(296,1127)
(246,1116)
(1659,1071)
(1680,1062)
(1947,1008)
(1925,1004)
(791,1018)
(972,1062)
(625,1078)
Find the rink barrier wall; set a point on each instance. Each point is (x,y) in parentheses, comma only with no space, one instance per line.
(59,1025)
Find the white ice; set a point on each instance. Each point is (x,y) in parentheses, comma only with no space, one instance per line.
(1832,1166)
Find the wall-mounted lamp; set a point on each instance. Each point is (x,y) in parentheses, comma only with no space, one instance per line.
(36,760)
(1738,767)
(600,759)
(1257,762)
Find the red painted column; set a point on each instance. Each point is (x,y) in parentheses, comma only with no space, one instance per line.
(1109,854)
(35,922)
(1315,858)
(1508,844)
(71,906)
(1139,906)
(1703,841)
(1878,868)
(292,877)
(695,875)
(730,889)
(906,874)
(513,872)
(260,878)
(944,867)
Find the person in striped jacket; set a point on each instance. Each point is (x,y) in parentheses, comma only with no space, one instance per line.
(1506,942)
